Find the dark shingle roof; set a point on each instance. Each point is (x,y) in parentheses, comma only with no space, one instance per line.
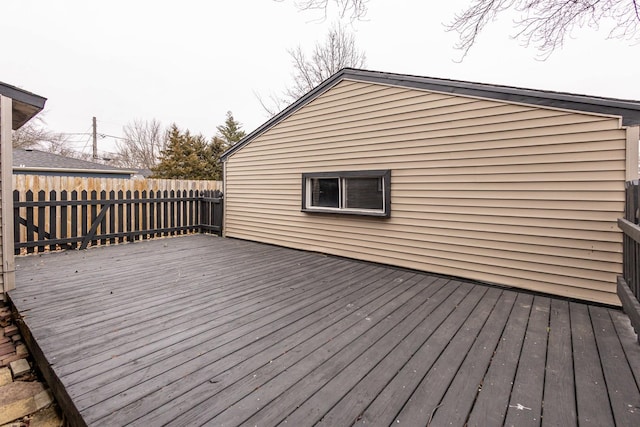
(30,159)
(628,110)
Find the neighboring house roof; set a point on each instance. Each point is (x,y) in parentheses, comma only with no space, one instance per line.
(627,109)
(39,161)
(145,173)
(25,104)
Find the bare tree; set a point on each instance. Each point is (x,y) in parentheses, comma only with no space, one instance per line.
(542,23)
(142,144)
(354,9)
(338,51)
(35,134)
(59,144)
(546,23)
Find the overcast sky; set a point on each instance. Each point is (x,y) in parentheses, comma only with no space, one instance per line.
(189,62)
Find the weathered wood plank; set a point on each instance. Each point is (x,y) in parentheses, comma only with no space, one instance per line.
(147,305)
(125,267)
(456,404)
(199,316)
(492,402)
(335,353)
(351,405)
(390,401)
(176,351)
(588,371)
(630,229)
(426,397)
(622,388)
(525,405)
(332,389)
(305,336)
(629,340)
(559,407)
(317,339)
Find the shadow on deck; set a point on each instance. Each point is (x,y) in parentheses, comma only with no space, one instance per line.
(203,330)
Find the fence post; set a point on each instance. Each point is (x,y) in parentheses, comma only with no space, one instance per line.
(16,222)
(112,217)
(136,215)
(145,204)
(53,218)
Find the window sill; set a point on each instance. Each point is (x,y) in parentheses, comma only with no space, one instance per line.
(346,212)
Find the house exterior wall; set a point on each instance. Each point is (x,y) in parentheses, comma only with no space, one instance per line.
(7,263)
(511,194)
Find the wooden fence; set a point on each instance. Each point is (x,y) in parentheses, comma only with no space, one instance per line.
(629,284)
(36,183)
(53,213)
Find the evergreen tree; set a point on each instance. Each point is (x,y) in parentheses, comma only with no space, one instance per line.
(216,148)
(186,156)
(231,131)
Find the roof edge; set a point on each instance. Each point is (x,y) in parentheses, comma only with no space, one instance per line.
(628,110)
(25,104)
(77,170)
(22,95)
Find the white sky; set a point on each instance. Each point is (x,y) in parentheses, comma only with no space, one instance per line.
(189,61)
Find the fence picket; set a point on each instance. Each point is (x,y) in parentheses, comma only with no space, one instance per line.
(144,214)
(118,212)
(30,223)
(153,219)
(53,220)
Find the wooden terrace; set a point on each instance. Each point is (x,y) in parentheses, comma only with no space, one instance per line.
(201,330)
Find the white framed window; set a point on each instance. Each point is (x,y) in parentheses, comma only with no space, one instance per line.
(348,192)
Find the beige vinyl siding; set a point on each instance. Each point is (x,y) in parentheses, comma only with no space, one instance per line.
(1,231)
(511,194)
(5,139)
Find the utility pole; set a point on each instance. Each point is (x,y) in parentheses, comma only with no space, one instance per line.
(95,140)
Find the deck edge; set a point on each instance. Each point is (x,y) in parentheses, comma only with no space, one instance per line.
(70,412)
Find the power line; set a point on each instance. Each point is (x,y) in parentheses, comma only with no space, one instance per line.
(104,135)
(100,134)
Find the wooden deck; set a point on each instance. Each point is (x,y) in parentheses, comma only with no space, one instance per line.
(203,330)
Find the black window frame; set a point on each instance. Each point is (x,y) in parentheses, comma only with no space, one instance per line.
(386,192)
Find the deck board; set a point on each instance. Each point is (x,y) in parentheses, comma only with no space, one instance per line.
(291,385)
(426,398)
(492,402)
(525,405)
(559,386)
(333,379)
(461,394)
(305,341)
(623,393)
(202,330)
(232,333)
(588,371)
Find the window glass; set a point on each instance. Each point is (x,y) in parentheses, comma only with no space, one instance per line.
(364,193)
(325,192)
